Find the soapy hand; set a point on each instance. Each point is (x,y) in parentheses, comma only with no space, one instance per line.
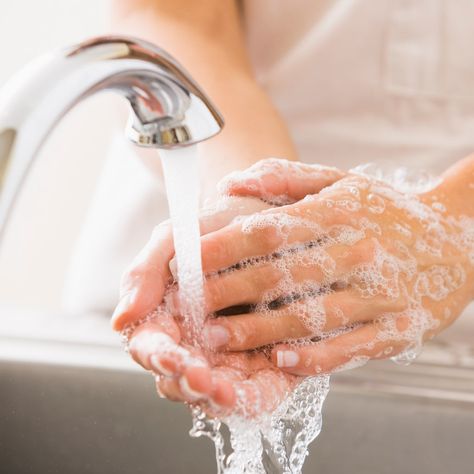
(144,284)
(157,340)
(355,272)
(245,383)
(346,269)
(242,381)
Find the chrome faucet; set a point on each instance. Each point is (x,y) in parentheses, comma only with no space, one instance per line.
(168,109)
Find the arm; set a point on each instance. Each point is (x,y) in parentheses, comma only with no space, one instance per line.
(206,37)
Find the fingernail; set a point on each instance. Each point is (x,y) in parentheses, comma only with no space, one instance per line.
(216,336)
(287,358)
(158,366)
(188,391)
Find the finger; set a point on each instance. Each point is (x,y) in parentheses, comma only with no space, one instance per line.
(354,347)
(143,341)
(262,392)
(169,387)
(219,392)
(222,213)
(223,395)
(309,317)
(291,273)
(250,396)
(144,284)
(280,180)
(250,331)
(157,348)
(264,234)
(235,381)
(240,287)
(242,364)
(273,231)
(195,384)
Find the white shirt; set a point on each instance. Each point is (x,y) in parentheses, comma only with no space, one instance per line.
(364,80)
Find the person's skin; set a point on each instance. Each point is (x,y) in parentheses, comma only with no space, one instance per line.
(449,206)
(191,374)
(188,373)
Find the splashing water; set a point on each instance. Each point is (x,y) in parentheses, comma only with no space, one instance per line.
(274,442)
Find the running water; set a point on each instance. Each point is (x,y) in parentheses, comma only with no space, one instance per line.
(180,169)
(274,442)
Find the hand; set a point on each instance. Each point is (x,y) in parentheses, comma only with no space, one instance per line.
(356,272)
(185,373)
(219,382)
(246,383)
(144,283)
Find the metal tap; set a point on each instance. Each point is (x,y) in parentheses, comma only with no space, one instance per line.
(168,109)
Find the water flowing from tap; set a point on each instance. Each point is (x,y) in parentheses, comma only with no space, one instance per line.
(180,168)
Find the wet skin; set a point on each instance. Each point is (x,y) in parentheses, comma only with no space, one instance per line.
(300,277)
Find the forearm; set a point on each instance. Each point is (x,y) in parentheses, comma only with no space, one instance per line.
(208,41)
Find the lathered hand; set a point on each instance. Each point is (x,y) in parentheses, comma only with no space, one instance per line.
(246,382)
(356,271)
(144,283)
(157,340)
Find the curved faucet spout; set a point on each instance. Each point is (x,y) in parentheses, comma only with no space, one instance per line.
(168,109)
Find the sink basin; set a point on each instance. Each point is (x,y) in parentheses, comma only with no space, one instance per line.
(68,405)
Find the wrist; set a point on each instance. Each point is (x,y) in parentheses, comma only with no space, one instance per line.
(456,190)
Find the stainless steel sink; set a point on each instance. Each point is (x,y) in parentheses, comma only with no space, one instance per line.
(69,405)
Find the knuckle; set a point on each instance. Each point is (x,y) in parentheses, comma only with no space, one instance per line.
(214,249)
(242,334)
(266,237)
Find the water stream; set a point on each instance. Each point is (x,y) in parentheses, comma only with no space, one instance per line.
(275,442)
(180,169)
